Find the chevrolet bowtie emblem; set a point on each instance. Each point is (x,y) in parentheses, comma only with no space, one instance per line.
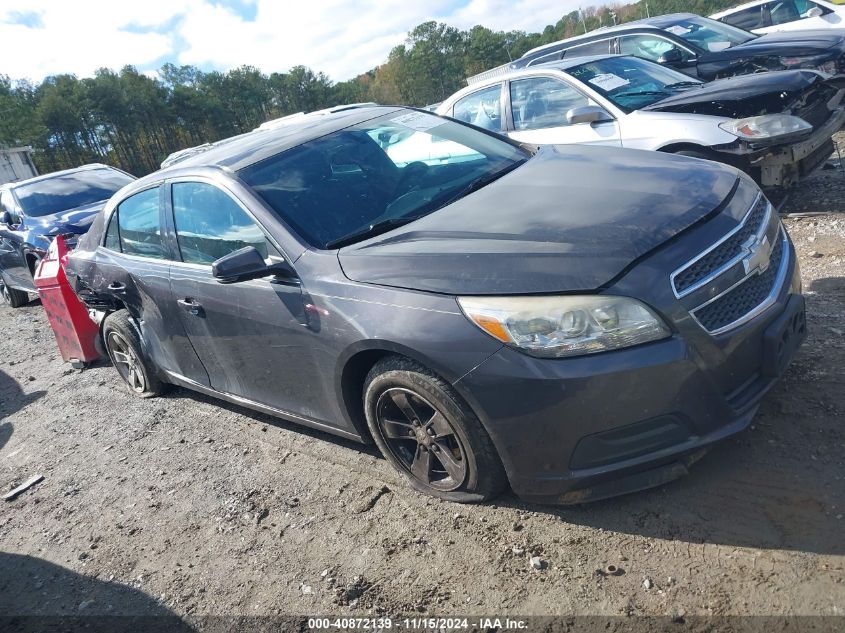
(758,253)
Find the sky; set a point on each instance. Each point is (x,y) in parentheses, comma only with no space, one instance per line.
(342,38)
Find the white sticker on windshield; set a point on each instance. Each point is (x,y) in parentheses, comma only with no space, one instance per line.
(715,47)
(608,81)
(419,121)
(677,29)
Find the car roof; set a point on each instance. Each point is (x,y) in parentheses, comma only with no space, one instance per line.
(56,174)
(657,22)
(246,149)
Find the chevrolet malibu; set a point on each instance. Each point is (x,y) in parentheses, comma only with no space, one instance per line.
(577,322)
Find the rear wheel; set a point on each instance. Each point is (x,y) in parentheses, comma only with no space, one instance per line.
(430,434)
(123,345)
(12,297)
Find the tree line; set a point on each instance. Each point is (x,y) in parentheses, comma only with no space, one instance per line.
(133,121)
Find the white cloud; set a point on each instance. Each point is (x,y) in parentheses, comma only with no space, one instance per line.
(339,37)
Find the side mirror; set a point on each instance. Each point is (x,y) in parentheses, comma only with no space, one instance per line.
(6,218)
(588,114)
(245,264)
(672,56)
(815,12)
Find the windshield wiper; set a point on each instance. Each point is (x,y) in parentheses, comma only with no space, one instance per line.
(641,93)
(684,84)
(378,228)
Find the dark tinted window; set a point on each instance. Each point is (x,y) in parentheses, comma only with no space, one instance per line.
(543,102)
(112,234)
(393,168)
(140,225)
(210,224)
(601,47)
(748,19)
(69,191)
(482,108)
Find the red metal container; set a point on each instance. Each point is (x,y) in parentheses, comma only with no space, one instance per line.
(76,333)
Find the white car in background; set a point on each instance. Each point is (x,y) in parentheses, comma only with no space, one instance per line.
(777,126)
(768,16)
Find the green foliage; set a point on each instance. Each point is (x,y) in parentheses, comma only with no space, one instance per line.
(134,121)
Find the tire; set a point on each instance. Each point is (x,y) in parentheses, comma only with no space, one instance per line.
(122,341)
(12,297)
(447,453)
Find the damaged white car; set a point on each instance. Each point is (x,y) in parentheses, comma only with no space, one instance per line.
(776,126)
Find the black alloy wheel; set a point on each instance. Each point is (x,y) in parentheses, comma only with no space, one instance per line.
(422,439)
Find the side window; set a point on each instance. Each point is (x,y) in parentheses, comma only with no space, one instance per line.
(784,11)
(482,108)
(7,204)
(113,234)
(601,47)
(139,224)
(646,46)
(543,102)
(210,224)
(748,19)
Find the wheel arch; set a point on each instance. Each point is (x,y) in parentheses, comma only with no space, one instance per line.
(353,367)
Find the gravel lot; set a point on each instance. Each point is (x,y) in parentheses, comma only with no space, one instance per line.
(187,505)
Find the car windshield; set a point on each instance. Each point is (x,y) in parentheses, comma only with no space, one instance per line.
(69,191)
(632,83)
(709,35)
(365,179)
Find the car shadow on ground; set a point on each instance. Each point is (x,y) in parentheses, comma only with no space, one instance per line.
(779,485)
(12,397)
(36,595)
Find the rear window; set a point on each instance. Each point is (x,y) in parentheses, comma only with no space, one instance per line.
(69,191)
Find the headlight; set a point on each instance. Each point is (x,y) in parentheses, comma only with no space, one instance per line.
(565,326)
(767,127)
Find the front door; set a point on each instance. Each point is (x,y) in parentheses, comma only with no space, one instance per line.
(539,106)
(250,336)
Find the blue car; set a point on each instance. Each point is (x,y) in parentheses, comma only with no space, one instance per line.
(34,211)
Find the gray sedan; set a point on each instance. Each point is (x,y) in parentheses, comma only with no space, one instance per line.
(576,322)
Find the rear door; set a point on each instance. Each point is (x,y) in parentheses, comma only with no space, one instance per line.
(250,336)
(134,267)
(537,114)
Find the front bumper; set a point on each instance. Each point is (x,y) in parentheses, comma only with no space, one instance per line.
(581,429)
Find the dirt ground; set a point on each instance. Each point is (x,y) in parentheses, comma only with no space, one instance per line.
(190,506)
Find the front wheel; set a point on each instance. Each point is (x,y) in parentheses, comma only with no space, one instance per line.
(428,433)
(12,297)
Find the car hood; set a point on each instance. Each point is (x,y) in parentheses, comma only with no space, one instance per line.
(750,95)
(76,221)
(571,218)
(788,43)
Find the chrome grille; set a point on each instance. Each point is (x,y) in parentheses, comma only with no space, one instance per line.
(724,253)
(751,292)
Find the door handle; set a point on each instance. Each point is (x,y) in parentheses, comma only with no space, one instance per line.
(190,306)
(117,287)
